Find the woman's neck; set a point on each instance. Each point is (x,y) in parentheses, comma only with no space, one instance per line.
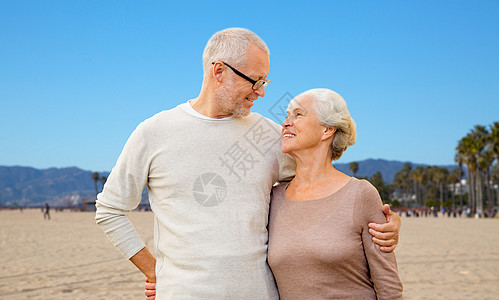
(310,170)
(314,178)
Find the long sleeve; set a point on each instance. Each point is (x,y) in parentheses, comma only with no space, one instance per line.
(382,266)
(122,194)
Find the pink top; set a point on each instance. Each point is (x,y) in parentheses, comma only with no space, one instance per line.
(322,249)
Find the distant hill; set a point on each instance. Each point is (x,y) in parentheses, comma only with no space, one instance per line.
(26,186)
(388,168)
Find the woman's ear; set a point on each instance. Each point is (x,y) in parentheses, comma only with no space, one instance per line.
(328,133)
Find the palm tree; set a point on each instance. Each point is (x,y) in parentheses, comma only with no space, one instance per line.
(440,176)
(465,156)
(459,159)
(354,167)
(417,176)
(95,178)
(494,146)
(402,181)
(485,161)
(103,180)
(470,151)
(455,178)
(495,180)
(480,137)
(383,189)
(431,183)
(494,139)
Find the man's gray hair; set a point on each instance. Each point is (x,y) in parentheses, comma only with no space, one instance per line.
(332,111)
(230,45)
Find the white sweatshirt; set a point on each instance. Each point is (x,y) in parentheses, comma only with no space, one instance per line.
(209,183)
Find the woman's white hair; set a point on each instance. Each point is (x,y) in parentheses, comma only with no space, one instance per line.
(231,45)
(332,111)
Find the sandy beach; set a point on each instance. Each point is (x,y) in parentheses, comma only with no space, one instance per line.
(69,257)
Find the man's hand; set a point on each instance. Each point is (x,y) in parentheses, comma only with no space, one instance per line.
(386,235)
(150,291)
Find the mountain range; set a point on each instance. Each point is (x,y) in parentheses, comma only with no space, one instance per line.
(68,187)
(27,186)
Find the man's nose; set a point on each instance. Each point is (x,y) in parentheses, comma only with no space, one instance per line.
(261,91)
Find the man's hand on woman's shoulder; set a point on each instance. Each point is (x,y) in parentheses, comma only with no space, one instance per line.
(386,235)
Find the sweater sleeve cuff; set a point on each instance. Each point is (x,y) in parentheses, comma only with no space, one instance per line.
(119,230)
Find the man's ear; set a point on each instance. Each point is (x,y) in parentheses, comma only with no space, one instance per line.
(217,71)
(328,133)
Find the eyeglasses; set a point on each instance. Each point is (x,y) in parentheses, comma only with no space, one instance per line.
(256,83)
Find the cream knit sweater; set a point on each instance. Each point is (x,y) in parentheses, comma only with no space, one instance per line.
(209,184)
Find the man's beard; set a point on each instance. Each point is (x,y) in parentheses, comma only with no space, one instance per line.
(228,102)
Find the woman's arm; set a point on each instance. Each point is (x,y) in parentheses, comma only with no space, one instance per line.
(382,266)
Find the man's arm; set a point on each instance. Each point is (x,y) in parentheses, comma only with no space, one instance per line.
(386,235)
(146,263)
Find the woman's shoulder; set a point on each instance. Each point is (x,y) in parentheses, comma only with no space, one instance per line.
(367,204)
(362,184)
(365,189)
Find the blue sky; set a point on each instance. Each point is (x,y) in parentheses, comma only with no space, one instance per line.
(77,77)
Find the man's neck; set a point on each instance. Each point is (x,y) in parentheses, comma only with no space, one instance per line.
(205,105)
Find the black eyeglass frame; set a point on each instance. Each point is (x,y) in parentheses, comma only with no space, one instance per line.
(256,84)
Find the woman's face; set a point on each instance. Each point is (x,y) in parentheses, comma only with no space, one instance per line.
(301,130)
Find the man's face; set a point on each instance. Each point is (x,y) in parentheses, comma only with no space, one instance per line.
(236,94)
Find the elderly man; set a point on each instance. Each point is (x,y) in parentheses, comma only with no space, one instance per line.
(209,165)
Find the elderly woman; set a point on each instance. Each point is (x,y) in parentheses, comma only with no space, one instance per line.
(319,241)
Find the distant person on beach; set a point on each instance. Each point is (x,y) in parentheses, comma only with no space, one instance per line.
(46,213)
(209,165)
(319,241)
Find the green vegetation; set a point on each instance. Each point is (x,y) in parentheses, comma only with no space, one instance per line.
(97,178)
(479,152)
(354,167)
(432,186)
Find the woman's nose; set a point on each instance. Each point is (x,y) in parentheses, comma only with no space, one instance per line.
(286,123)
